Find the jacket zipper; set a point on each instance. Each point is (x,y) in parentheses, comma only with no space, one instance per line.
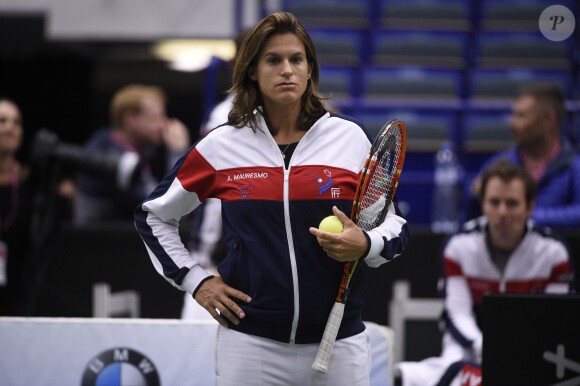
(291,251)
(292,257)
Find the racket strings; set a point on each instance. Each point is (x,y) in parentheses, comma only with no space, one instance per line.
(382,179)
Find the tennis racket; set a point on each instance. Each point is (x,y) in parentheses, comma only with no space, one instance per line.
(377,184)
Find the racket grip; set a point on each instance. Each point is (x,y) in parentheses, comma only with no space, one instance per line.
(328,338)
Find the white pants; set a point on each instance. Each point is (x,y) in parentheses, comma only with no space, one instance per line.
(243,359)
(429,371)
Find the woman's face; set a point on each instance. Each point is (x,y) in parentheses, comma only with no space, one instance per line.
(282,71)
(10,128)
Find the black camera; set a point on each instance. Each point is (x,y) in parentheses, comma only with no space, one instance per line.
(119,168)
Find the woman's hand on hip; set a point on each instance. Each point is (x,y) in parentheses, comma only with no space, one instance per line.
(216,297)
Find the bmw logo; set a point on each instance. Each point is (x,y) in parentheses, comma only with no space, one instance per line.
(120,366)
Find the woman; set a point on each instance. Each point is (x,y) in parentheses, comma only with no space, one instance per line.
(14,212)
(280,165)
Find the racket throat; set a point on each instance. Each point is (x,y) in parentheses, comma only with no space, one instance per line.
(344,287)
(342,295)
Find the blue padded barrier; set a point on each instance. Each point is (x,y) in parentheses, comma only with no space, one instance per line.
(516,15)
(486,132)
(337,83)
(491,84)
(527,50)
(421,48)
(330,13)
(433,15)
(423,86)
(338,47)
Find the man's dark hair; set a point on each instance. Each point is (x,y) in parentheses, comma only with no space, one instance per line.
(508,171)
(549,96)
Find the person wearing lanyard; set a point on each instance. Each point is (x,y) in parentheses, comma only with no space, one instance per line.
(15,193)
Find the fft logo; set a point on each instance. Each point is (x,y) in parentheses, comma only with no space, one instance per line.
(120,366)
(557,23)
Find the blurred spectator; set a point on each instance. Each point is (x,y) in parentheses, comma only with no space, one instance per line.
(502,251)
(140,127)
(541,148)
(219,113)
(207,243)
(15,204)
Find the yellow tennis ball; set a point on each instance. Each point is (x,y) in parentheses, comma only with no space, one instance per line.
(331,224)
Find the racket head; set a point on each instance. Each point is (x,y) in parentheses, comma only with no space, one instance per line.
(380,175)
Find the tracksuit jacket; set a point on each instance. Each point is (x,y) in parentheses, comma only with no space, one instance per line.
(267,211)
(539,264)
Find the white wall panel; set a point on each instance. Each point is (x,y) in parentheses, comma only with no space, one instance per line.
(140,19)
(19,6)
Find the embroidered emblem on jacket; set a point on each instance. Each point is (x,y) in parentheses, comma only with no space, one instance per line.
(245,190)
(323,185)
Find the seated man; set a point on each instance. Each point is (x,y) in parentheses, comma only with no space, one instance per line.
(502,251)
(538,115)
(140,128)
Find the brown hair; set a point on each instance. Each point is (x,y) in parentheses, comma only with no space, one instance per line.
(129,99)
(508,171)
(246,92)
(549,97)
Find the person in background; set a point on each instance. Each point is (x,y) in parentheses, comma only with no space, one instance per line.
(207,243)
(538,115)
(219,113)
(140,127)
(501,251)
(15,204)
(279,166)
